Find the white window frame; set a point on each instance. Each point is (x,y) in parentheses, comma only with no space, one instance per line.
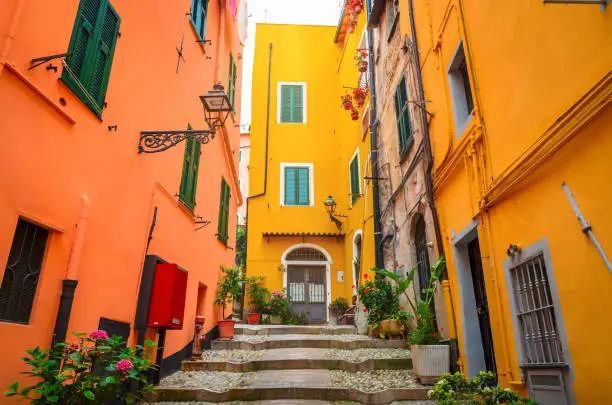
(310,167)
(278,103)
(461,116)
(358,176)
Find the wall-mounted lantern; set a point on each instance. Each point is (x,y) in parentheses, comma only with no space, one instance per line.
(330,207)
(215,103)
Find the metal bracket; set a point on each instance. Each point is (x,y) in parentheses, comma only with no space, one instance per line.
(159,141)
(39,61)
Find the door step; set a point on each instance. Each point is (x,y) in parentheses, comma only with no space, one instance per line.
(267,330)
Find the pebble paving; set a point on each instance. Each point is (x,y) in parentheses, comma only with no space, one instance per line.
(217,381)
(235,356)
(374,381)
(360,355)
(263,338)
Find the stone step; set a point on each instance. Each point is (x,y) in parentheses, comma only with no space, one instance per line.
(374,388)
(267,330)
(248,342)
(237,361)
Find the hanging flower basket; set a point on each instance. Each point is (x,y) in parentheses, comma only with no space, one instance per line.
(347,101)
(362,60)
(359,95)
(362,65)
(351,27)
(354,114)
(355,7)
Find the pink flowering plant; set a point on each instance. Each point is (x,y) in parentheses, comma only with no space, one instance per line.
(279,305)
(94,370)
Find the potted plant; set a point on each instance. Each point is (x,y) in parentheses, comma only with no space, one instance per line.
(278,307)
(95,370)
(354,114)
(338,307)
(229,288)
(347,101)
(258,297)
(359,95)
(362,60)
(380,301)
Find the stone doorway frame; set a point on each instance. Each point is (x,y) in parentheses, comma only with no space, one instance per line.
(327,264)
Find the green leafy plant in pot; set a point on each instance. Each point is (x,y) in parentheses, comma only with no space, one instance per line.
(430,359)
(338,307)
(229,288)
(93,371)
(258,298)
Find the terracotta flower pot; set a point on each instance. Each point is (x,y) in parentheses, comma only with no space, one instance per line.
(430,362)
(226,328)
(254,318)
(362,65)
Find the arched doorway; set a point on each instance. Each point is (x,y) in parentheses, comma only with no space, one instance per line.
(307,280)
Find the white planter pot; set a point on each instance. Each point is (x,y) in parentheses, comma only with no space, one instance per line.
(276,320)
(429,362)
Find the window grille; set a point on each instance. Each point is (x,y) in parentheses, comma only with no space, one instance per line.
(536,313)
(306,254)
(22,272)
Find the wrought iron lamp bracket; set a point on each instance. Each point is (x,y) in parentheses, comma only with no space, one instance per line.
(159,141)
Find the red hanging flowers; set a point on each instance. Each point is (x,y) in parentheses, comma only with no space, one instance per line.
(365,309)
(359,95)
(354,114)
(347,101)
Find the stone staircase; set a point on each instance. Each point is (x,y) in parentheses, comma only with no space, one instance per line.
(314,365)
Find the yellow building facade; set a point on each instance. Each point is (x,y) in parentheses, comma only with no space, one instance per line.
(519,94)
(302,145)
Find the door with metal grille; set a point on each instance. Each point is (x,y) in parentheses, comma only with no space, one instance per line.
(306,287)
(482,305)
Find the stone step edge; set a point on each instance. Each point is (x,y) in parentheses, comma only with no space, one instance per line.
(265,331)
(312,344)
(297,364)
(311,393)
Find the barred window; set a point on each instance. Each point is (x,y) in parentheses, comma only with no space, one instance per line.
(22,272)
(306,254)
(536,313)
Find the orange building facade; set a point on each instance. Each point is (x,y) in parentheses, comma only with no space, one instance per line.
(80,208)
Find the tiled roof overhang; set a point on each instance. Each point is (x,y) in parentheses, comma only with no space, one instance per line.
(302,234)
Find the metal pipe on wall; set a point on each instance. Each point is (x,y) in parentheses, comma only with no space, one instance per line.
(8,41)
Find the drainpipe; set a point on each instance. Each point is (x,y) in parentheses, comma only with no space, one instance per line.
(220,41)
(8,41)
(427,142)
(265,189)
(69,283)
(379,262)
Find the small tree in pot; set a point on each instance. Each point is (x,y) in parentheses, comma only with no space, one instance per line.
(338,307)
(229,288)
(258,298)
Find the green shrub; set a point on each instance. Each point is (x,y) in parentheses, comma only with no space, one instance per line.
(380,299)
(339,306)
(258,294)
(93,371)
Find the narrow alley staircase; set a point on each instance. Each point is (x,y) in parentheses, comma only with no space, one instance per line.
(294,365)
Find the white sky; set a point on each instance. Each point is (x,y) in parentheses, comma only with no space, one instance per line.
(312,12)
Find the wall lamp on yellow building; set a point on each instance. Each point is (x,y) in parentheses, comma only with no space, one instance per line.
(330,207)
(217,108)
(513,250)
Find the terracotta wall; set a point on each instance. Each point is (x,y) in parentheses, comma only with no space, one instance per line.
(51,155)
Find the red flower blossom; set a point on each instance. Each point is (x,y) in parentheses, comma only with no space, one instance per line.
(365,309)
(402,308)
(353,286)
(441,329)
(435,334)
(365,276)
(365,291)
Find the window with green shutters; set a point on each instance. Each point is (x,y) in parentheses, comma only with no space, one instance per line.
(355,183)
(292,103)
(402,116)
(224,206)
(91,50)
(199,11)
(231,88)
(297,186)
(189,178)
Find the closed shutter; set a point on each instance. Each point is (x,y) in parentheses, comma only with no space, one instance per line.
(102,64)
(189,177)
(354,168)
(298,104)
(231,93)
(402,116)
(199,9)
(224,203)
(303,197)
(290,186)
(285,104)
(83,38)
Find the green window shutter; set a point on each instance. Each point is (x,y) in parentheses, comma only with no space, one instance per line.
(354,169)
(92,47)
(189,177)
(104,60)
(224,203)
(303,195)
(402,116)
(231,92)
(298,104)
(199,11)
(286,100)
(290,186)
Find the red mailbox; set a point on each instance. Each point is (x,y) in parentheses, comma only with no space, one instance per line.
(167,305)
